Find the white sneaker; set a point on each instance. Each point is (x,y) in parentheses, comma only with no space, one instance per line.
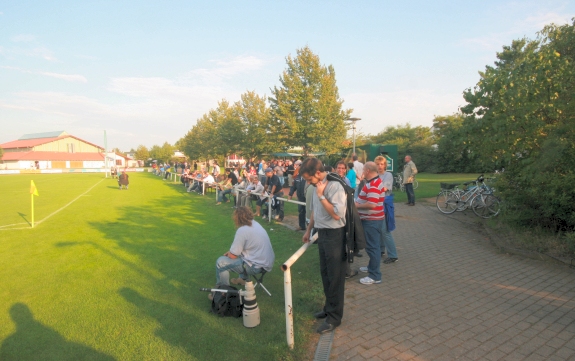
(363,269)
(368,281)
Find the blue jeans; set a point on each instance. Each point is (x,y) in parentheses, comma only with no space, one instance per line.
(222,195)
(410,193)
(372,231)
(387,242)
(225,264)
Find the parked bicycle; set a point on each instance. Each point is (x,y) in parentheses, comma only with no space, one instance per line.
(398,183)
(476,194)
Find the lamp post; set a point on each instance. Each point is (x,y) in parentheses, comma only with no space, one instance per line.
(353,121)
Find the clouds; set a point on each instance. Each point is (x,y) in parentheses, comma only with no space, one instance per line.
(225,69)
(66,77)
(23,38)
(139,110)
(416,106)
(518,29)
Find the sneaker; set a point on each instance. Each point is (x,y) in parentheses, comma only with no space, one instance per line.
(390,260)
(217,204)
(363,269)
(264,217)
(368,281)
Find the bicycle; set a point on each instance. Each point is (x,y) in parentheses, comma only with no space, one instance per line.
(452,199)
(486,204)
(398,183)
(447,198)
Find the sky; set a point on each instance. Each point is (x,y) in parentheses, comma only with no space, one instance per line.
(145,71)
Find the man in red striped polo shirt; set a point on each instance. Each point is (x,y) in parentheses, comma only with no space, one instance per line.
(369,204)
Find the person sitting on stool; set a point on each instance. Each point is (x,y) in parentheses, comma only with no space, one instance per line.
(250,252)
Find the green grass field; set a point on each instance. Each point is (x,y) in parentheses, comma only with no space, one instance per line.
(109,274)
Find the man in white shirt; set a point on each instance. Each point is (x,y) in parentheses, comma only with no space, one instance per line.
(358,168)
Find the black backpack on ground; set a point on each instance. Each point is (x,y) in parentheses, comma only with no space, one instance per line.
(227,304)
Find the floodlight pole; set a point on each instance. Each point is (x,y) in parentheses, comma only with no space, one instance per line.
(353,120)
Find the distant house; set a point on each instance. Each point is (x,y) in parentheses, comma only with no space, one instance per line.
(51,150)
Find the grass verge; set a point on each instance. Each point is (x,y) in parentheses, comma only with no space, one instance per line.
(115,275)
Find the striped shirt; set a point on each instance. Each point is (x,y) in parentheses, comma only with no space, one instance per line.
(373,192)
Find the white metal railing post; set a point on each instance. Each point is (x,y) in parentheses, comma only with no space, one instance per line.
(287,289)
(270,198)
(288,309)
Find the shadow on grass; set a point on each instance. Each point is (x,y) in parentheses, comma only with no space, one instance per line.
(34,341)
(181,328)
(176,240)
(24,218)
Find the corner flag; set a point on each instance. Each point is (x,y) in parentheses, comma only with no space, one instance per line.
(33,189)
(33,192)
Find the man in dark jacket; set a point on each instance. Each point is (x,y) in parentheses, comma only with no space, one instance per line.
(298,187)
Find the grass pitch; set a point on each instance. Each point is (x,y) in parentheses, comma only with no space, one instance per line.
(108,274)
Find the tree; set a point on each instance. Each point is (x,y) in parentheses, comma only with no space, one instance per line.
(118,151)
(163,153)
(1,153)
(520,116)
(256,130)
(417,142)
(306,110)
(142,153)
(453,151)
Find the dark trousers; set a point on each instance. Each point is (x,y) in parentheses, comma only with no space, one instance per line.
(301,215)
(410,193)
(333,267)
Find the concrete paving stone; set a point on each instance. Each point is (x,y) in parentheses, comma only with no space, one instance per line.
(507,347)
(556,343)
(566,335)
(389,354)
(406,356)
(566,353)
(433,332)
(545,351)
(488,346)
(513,357)
(495,355)
(418,337)
(535,357)
(470,344)
(370,353)
(421,347)
(455,282)
(357,357)
(434,353)
(404,345)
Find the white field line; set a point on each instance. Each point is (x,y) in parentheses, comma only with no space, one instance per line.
(51,214)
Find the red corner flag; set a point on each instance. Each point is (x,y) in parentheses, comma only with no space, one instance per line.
(33,189)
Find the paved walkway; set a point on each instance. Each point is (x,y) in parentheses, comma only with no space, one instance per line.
(452,296)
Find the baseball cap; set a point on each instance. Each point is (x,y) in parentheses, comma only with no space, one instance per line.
(268,170)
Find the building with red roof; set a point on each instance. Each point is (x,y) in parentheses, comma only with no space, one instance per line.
(51,150)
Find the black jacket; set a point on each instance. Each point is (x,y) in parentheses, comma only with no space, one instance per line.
(298,187)
(355,236)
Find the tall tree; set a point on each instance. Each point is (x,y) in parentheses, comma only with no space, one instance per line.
(306,109)
(521,115)
(142,153)
(258,135)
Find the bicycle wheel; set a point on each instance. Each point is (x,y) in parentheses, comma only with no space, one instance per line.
(485,206)
(446,202)
(415,184)
(462,202)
